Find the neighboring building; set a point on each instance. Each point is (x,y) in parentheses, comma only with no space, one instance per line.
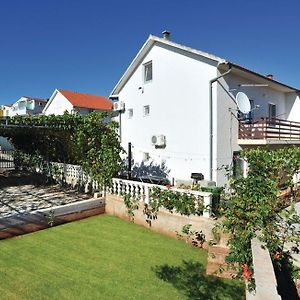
(27,106)
(4,110)
(181,119)
(63,101)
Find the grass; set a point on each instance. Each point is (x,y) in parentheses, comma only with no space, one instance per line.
(106,258)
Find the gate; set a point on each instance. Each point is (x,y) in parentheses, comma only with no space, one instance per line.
(6,159)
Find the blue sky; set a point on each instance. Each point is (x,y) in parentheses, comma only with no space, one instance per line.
(86,45)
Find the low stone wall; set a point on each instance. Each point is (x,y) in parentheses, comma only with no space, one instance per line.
(264,275)
(40,219)
(166,222)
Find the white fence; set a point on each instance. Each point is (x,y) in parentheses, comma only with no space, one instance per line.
(142,191)
(74,175)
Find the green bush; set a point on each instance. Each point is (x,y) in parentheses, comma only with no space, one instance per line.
(81,140)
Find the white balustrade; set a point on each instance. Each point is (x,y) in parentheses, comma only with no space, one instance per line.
(142,191)
(74,174)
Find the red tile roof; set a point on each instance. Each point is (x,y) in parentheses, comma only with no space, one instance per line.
(87,101)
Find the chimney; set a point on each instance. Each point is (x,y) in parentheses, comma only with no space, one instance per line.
(270,76)
(166,34)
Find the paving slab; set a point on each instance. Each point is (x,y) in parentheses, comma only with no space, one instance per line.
(22,193)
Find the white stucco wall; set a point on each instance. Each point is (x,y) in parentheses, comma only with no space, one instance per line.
(58,105)
(178,99)
(293,107)
(287,104)
(18,108)
(260,95)
(225,131)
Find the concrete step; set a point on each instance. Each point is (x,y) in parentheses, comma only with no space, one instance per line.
(217,254)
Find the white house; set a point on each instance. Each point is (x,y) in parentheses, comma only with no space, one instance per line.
(27,106)
(181,118)
(62,101)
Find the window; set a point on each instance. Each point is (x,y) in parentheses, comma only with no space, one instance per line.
(272,111)
(272,114)
(130,113)
(146,110)
(148,71)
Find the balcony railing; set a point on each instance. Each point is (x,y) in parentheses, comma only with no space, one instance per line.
(269,129)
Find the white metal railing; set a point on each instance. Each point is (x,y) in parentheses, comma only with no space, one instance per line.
(142,191)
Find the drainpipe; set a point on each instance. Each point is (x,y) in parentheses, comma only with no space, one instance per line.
(120,126)
(211,120)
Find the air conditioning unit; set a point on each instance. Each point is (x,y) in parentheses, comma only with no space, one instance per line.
(158,140)
(119,106)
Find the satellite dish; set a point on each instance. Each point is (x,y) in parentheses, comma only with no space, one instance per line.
(243,102)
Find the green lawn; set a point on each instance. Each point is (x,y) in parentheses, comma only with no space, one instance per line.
(106,258)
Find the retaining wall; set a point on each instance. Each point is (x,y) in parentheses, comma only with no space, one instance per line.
(166,223)
(264,275)
(40,219)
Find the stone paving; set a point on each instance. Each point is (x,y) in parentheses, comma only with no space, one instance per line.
(18,197)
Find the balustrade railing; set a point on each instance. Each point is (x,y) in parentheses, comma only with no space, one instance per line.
(74,175)
(6,159)
(143,190)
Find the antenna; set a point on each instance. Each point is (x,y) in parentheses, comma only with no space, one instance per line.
(252,85)
(243,102)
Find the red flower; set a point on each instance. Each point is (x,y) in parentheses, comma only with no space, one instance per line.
(246,272)
(168,186)
(277,255)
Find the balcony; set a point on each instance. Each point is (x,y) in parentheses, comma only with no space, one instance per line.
(268,131)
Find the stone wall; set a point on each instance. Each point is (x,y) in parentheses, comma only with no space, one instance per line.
(166,223)
(264,275)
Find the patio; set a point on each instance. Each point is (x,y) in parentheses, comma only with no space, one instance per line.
(22,193)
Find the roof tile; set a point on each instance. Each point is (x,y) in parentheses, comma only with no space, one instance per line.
(87,101)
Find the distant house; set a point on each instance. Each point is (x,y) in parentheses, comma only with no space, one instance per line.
(4,110)
(27,106)
(63,101)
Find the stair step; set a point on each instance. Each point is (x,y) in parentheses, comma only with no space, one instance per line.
(215,269)
(217,254)
(217,260)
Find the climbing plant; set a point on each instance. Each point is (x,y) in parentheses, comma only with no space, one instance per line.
(90,141)
(173,201)
(254,207)
(195,237)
